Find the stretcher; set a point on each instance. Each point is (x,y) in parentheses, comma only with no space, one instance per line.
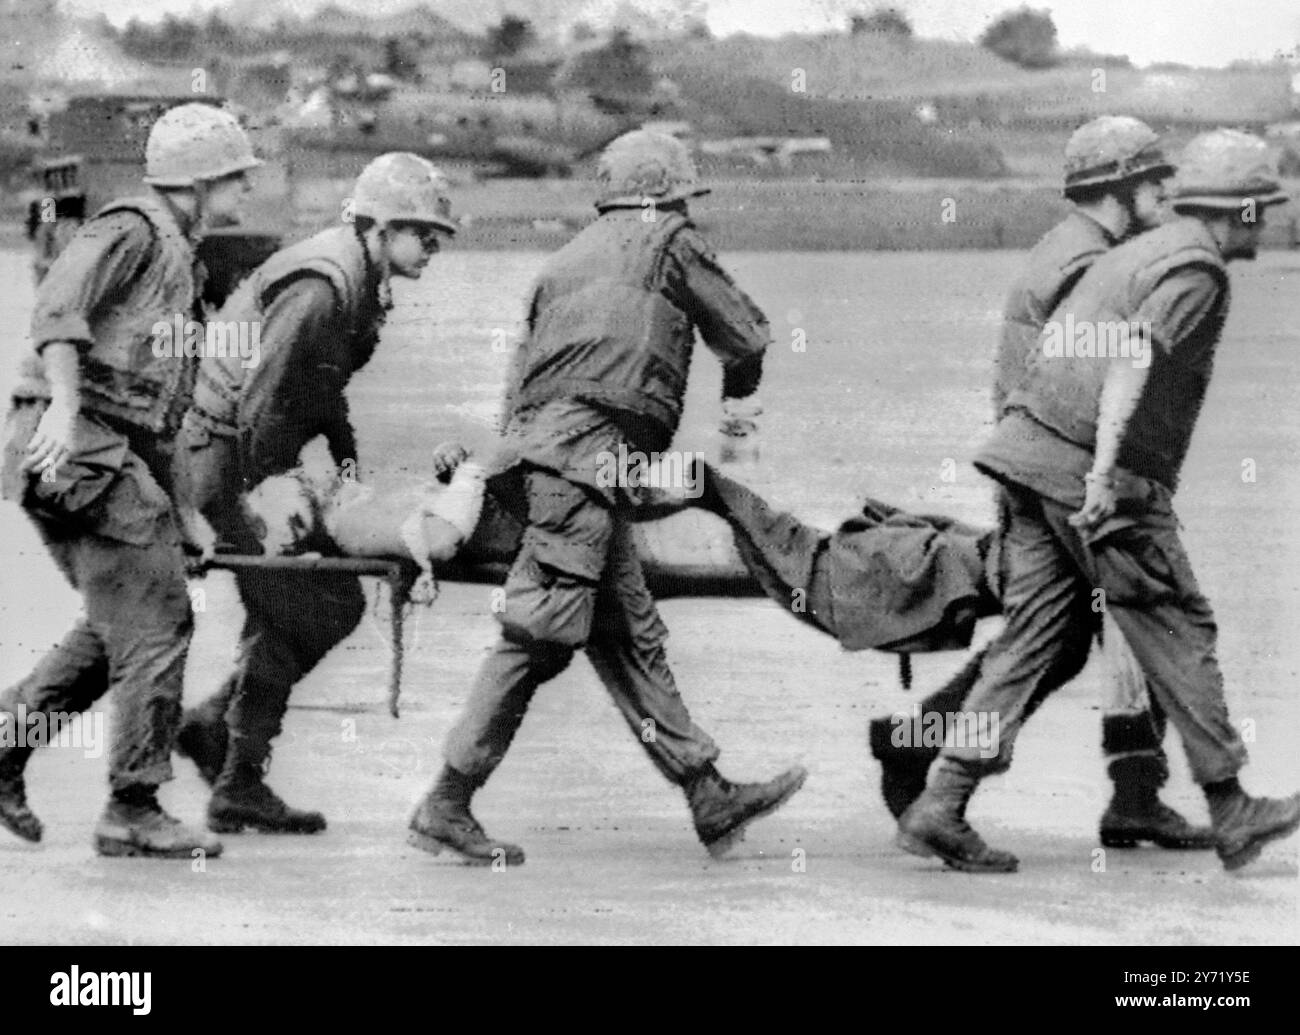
(685,555)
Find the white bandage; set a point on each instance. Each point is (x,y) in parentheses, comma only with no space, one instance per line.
(346,497)
(461,503)
(425,589)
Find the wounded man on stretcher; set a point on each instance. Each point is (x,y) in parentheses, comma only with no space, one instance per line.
(884,580)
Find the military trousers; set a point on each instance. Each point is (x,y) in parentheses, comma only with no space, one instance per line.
(1055,580)
(577,583)
(108,524)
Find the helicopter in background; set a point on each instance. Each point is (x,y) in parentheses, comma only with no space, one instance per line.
(494,124)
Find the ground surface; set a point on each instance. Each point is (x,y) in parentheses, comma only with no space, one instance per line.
(892,384)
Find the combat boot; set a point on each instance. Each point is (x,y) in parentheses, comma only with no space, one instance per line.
(134,824)
(722,809)
(443,820)
(15,815)
(936,824)
(242,799)
(1243,825)
(902,769)
(1136,812)
(204,743)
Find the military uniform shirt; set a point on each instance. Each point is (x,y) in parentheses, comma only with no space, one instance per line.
(299,390)
(569,436)
(100,261)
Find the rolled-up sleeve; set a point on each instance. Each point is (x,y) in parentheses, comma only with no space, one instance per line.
(1179,304)
(729,321)
(100,261)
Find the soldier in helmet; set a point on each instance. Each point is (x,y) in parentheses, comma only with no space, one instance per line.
(1089,448)
(321,304)
(1114,176)
(603,369)
(87,455)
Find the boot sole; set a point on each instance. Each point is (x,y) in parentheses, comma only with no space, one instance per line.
(435,847)
(126,849)
(238,826)
(915,846)
(1133,840)
(719,847)
(1251,851)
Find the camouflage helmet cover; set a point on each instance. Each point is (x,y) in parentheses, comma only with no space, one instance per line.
(192,143)
(403,187)
(1112,149)
(645,164)
(1224,168)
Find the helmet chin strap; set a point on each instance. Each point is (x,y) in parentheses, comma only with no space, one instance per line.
(190,213)
(200,205)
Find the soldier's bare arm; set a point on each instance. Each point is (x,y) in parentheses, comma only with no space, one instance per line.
(1173,311)
(53,440)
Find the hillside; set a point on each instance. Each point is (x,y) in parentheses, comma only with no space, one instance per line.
(937,108)
(955,75)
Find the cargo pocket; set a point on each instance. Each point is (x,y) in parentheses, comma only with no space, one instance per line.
(71,491)
(1138,567)
(550,593)
(134,510)
(543,601)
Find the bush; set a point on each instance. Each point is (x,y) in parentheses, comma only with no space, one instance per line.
(1025,37)
(884,21)
(617,76)
(511,36)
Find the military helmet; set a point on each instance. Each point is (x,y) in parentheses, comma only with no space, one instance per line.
(646,164)
(1112,149)
(196,142)
(403,187)
(1225,167)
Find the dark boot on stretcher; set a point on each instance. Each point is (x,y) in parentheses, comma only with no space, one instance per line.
(443,820)
(902,769)
(722,809)
(15,815)
(1244,825)
(202,738)
(903,762)
(242,799)
(936,824)
(1136,812)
